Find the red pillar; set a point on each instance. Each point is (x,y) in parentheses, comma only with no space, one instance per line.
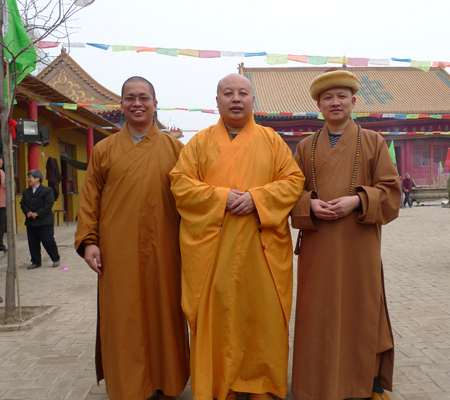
(89,142)
(33,148)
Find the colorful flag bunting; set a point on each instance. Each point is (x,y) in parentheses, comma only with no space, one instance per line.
(210,54)
(262,53)
(382,62)
(401,59)
(441,170)
(423,65)
(317,60)
(99,46)
(69,106)
(119,47)
(74,45)
(392,152)
(189,52)
(47,45)
(441,64)
(303,59)
(167,52)
(358,62)
(142,49)
(274,59)
(338,60)
(232,54)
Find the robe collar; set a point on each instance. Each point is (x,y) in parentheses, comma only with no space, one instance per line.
(127,140)
(223,138)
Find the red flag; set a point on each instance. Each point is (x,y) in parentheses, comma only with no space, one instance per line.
(447,160)
(47,45)
(12,127)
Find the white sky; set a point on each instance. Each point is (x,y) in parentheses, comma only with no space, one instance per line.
(355,28)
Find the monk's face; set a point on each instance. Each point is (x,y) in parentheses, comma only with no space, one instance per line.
(336,104)
(138,104)
(235,100)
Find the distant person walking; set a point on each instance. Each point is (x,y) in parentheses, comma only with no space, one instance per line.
(37,202)
(407,190)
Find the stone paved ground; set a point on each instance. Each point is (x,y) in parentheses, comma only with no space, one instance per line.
(55,359)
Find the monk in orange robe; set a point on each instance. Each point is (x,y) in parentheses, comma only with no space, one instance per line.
(234,196)
(128,228)
(343,346)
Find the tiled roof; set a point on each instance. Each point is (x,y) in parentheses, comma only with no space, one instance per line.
(398,90)
(66,75)
(34,88)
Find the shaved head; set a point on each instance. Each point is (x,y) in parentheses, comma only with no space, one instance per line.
(139,79)
(235,77)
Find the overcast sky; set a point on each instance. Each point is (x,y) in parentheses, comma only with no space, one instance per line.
(413,29)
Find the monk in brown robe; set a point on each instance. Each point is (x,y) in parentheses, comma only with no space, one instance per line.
(234,196)
(343,347)
(128,228)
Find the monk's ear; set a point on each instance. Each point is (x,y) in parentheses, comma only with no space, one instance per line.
(353,101)
(318,104)
(121,105)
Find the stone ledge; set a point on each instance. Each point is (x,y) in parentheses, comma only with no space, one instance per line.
(28,324)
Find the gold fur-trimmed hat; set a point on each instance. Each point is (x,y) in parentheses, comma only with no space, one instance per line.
(331,79)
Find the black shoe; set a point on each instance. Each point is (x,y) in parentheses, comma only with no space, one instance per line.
(33,266)
(3,248)
(1,299)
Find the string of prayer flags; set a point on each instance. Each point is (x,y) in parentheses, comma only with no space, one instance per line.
(143,49)
(210,54)
(262,53)
(118,47)
(47,45)
(99,46)
(189,53)
(338,60)
(358,62)
(274,59)
(317,60)
(381,62)
(423,65)
(232,54)
(167,52)
(303,59)
(271,58)
(69,106)
(401,59)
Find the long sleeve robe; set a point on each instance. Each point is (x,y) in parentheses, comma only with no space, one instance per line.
(126,207)
(236,270)
(342,320)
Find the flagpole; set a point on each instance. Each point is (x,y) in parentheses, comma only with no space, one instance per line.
(13,197)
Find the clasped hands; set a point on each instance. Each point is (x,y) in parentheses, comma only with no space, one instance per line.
(334,209)
(31,214)
(240,203)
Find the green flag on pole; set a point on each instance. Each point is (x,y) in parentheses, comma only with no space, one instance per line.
(15,40)
(392,152)
(440,167)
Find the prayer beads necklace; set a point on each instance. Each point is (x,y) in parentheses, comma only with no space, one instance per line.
(313,151)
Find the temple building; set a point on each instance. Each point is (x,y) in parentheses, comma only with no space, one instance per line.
(406,105)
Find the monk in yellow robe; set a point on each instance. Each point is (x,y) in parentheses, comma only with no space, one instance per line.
(234,197)
(128,228)
(343,346)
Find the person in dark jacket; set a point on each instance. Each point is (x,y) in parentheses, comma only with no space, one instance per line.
(407,189)
(37,202)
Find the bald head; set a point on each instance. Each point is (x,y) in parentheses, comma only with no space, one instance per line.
(140,79)
(235,78)
(235,101)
